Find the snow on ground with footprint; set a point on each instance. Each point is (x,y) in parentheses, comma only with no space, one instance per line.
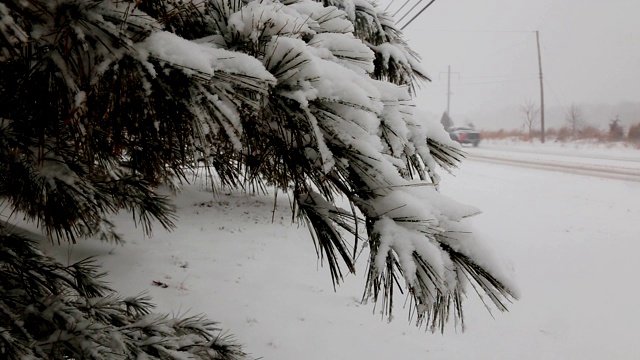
(571,241)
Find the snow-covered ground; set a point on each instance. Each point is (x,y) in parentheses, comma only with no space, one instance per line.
(572,242)
(587,152)
(615,161)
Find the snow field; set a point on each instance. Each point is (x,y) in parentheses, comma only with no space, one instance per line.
(570,240)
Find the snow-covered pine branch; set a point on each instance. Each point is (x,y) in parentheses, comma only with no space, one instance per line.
(103,101)
(51,311)
(333,126)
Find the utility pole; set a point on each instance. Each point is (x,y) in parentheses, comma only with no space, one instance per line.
(541,89)
(449,88)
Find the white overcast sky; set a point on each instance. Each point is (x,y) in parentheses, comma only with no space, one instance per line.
(590,52)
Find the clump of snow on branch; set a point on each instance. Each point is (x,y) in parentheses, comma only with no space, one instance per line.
(263,19)
(203,58)
(346,50)
(323,19)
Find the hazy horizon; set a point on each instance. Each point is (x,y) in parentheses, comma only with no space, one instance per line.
(590,53)
(510,117)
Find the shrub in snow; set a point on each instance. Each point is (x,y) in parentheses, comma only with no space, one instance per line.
(105,100)
(634,133)
(51,311)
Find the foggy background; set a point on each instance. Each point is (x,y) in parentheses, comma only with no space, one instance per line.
(590,57)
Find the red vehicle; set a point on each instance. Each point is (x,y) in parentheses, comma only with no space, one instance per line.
(465,135)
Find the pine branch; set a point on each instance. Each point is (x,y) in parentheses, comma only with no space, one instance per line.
(101,107)
(322,219)
(51,311)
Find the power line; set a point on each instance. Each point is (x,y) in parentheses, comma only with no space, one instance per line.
(401,7)
(410,10)
(479,31)
(510,47)
(388,6)
(502,76)
(416,16)
(497,82)
(473,83)
(555,95)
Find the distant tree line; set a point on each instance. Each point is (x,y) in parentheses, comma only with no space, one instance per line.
(576,128)
(615,132)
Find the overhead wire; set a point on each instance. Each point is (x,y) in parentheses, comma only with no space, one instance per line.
(408,12)
(506,80)
(389,5)
(416,16)
(473,83)
(555,96)
(501,76)
(479,31)
(401,7)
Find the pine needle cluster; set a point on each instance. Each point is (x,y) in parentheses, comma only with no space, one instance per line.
(51,311)
(105,100)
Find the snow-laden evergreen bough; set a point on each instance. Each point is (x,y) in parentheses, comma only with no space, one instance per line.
(51,311)
(102,101)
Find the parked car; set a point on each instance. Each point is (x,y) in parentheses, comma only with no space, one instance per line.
(465,135)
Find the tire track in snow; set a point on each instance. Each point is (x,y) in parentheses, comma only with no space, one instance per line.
(606,172)
(551,152)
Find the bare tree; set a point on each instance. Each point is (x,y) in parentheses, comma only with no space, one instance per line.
(531,113)
(575,119)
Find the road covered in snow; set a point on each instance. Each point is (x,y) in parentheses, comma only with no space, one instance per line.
(606,163)
(572,238)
